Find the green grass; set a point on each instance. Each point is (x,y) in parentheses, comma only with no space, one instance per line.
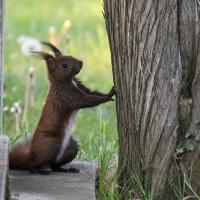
(96,127)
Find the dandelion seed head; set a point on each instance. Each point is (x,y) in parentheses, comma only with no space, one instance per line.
(12,110)
(29,44)
(16,105)
(6,108)
(31,70)
(16,108)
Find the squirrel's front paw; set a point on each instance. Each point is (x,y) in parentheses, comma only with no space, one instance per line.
(111,93)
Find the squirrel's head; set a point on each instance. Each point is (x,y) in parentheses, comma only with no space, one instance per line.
(61,68)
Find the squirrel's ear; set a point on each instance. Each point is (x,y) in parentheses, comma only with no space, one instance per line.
(47,57)
(50,62)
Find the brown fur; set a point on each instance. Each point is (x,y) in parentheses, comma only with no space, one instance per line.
(19,156)
(66,94)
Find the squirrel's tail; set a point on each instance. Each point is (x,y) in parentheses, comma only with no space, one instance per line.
(19,156)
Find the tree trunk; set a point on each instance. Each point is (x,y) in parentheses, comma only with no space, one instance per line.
(156,67)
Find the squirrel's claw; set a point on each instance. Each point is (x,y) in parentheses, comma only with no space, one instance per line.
(112,92)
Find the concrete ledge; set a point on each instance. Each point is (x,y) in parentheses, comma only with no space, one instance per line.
(57,185)
(3,165)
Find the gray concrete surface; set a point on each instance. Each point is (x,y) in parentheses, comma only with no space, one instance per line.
(56,186)
(3,165)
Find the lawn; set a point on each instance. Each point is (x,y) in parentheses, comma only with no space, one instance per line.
(85,39)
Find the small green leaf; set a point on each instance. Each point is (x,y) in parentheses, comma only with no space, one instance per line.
(180,151)
(190,147)
(197,137)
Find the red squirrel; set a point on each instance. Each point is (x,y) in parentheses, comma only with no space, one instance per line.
(52,144)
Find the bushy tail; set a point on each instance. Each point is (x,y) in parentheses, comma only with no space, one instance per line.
(19,156)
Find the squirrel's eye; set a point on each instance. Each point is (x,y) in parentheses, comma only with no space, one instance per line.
(65,65)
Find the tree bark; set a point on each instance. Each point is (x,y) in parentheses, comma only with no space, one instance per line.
(190,57)
(155,57)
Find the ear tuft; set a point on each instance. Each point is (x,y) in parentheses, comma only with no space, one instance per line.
(41,54)
(56,51)
(47,57)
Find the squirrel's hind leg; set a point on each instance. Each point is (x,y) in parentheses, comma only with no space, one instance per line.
(70,154)
(42,156)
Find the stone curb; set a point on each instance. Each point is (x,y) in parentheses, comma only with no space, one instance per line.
(56,186)
(4,143)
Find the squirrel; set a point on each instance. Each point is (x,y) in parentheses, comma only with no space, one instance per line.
(52,144)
